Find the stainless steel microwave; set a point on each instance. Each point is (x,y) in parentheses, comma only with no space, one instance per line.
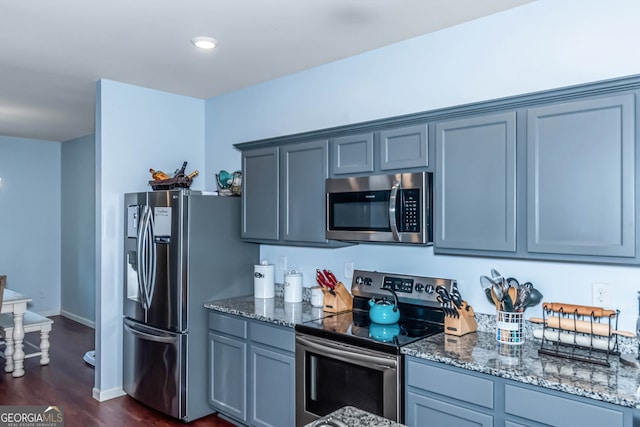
(380,208)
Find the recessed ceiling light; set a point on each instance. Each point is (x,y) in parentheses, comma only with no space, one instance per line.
(205,42)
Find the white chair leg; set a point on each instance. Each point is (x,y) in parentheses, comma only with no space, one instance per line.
(44,346)
(8,351)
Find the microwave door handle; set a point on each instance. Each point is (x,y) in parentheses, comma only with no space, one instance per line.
(392,211)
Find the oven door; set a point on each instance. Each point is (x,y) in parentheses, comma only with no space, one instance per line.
(330,375)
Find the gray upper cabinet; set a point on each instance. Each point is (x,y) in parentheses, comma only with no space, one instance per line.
(549,175)
(404,147)
(475,183)
(581,177)
(352,154)
(260,194)
(304,170)
(283,198)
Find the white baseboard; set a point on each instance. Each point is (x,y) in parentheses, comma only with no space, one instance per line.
(48,313)
(78,319)
(101,396)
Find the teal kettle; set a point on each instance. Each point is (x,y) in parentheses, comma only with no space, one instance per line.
(384,312)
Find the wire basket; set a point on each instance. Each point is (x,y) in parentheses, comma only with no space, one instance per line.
(233,189)
(509,328)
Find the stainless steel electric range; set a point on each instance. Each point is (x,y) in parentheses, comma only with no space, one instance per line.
(345,359)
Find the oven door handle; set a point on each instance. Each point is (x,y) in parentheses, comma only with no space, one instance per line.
(392,210)
(348,356)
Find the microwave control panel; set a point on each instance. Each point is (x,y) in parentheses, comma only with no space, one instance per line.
(410,211)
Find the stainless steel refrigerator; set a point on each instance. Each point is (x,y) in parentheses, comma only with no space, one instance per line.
(181,249)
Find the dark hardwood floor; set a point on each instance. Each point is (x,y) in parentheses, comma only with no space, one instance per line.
(67,382)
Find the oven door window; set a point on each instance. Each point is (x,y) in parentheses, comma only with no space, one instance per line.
(359,211)
(332,384)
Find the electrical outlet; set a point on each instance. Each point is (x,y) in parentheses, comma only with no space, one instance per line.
(348,270)
(600,294)
(283,263)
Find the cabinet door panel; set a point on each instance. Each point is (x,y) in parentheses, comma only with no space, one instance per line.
(352,154)
(422,411)
(228,379)
(260,209)
(476,183)
(305,168)
(405,147)
(580,177)
(272,388)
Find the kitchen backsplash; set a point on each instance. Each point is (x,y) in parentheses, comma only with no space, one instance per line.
(557,281)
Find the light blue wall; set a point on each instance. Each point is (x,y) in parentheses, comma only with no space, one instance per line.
(542,45)
(78,263)
(136,128)
(30,220)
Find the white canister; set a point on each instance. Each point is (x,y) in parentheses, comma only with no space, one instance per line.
(263,280)
(293,286)
(317,297)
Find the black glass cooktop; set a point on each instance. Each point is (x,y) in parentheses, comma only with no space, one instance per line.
(355,328)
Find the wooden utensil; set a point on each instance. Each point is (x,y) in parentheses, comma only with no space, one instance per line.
(583,326)
(582,310)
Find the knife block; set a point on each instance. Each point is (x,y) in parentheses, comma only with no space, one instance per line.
(462,325)
(341,301)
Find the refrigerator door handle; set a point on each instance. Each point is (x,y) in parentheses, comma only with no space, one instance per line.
(150,337)
(140,257)
(146,258)
(151,247)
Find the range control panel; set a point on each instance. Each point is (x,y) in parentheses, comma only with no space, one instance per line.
(410,289)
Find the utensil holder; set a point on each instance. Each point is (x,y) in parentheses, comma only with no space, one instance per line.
(509,328)
(339,302)
(464,324)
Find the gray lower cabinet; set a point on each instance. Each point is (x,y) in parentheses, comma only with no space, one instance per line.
(581,177)
(475,193)
(272,375)
(252,380)
(438,394)
(228,365)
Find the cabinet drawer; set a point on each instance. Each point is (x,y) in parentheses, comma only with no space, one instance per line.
(273,336)
(551,409)
(228,325)
(446,382)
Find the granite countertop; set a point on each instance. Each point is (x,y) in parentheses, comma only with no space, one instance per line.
(354,417)
(481,352)
(270,310)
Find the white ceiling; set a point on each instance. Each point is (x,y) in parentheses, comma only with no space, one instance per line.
(53,51)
